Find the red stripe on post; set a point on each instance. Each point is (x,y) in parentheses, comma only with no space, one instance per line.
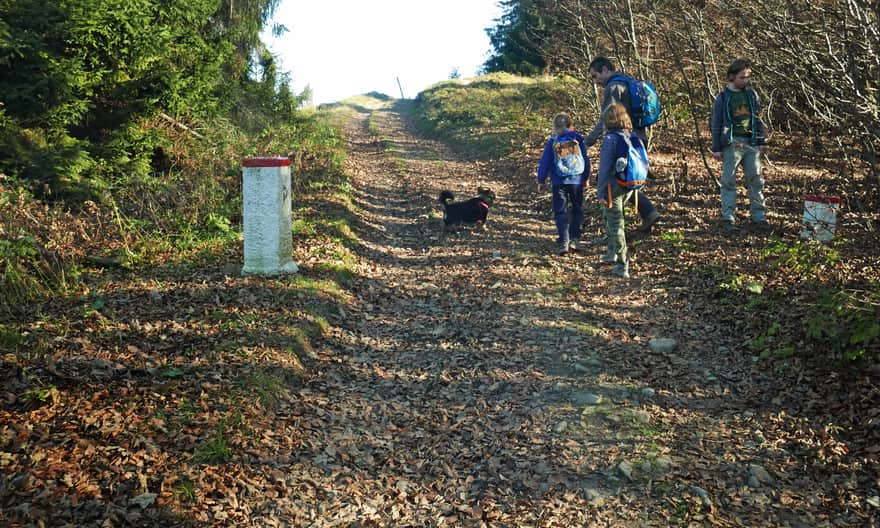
(265,162)
(823,199)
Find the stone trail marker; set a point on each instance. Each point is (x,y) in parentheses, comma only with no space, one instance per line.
(820,217)
(268,239)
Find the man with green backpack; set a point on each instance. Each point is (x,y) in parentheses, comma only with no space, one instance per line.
(640,100)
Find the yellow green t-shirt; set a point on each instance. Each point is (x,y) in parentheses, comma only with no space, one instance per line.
(740,113)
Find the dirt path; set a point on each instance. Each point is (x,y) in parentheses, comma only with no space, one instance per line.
(477,380)
(481,380)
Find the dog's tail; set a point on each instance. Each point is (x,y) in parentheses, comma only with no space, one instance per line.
(446,196)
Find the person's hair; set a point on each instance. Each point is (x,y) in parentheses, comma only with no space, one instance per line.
(737,66)
(562,122)
(601,63)
(616,116)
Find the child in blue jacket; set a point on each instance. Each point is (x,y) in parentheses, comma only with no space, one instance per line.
(565,162)
(609,192)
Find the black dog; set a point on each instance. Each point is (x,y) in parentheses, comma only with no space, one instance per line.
(473,211)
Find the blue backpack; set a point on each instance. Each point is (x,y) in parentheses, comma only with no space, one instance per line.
(569,158)
(644,103)
(631,166)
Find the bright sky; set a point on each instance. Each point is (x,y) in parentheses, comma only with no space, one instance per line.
(349,47)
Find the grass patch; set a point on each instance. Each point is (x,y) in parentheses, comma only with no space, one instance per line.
(587,329)
(266,386)
(12,340)
(185,490)
(491,116)
(802,258)
(301,342)
(40,395)
(304,228)
(677,240)
(341,273)
(215,450)
(319,287)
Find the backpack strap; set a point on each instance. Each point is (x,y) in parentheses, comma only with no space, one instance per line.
(623,148)
(622,78)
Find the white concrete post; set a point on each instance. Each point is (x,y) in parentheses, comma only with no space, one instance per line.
(820,217)
(268,239)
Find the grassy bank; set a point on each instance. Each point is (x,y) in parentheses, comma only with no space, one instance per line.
(492,116)
(186,210)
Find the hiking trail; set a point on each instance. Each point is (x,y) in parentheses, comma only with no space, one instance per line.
(481,379)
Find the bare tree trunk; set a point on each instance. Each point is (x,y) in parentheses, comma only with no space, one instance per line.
(632,36)
(690,93)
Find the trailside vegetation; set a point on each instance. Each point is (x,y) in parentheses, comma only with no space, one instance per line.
(816,65)
(121,129)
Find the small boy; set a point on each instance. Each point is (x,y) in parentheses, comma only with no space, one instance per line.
(565,162)
(738,137)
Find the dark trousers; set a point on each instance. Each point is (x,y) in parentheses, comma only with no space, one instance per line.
(568,225)
(645,205)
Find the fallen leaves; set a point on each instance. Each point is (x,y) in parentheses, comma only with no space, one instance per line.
(429,389)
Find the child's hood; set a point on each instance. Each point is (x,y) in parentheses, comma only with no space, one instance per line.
(569,135)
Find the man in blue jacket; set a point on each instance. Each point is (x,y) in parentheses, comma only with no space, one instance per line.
(738,137)
(565,162)
(615,89)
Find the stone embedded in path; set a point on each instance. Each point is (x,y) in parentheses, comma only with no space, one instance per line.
(586,398)
(758,476)
(581,369)
(594,497)
(561,427)
(642,417)
(594,363)
(663,345)
(647,392)
(625,469)
(663,464)
(703,495)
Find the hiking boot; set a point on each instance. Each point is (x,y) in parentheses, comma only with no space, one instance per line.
(573,245)
(729,227)
(649,222)
(562,248)
(609,258)
(621,270)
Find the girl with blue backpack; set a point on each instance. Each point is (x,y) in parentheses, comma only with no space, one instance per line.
(565,162)
(623,170)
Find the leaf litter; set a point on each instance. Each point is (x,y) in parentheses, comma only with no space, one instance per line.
(431,390)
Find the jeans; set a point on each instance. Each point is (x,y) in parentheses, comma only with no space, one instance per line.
(614,223)
(736,154)
(568,226)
